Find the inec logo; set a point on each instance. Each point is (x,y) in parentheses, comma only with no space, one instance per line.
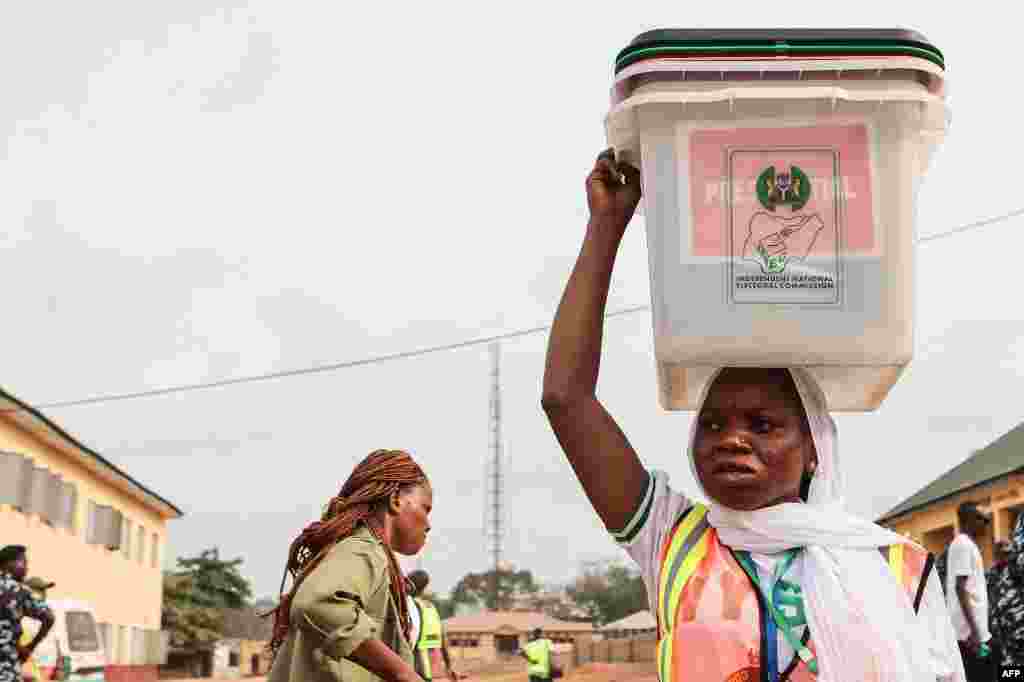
(773,241)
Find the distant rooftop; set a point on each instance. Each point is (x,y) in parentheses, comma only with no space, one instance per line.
(641,620)
(521,621)
(996,460)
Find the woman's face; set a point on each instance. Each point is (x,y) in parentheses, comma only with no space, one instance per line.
(411,524)
(752,446)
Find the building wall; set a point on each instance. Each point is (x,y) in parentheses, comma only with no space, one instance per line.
(643,633)
(248,650)
(233,659)
(123,586)
(226,660)
(481,649)
(631,650)
(486,650)
(935,526)
(131,673)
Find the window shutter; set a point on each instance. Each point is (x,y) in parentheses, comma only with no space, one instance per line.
(12,466)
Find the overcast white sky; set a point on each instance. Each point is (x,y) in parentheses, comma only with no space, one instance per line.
(190,194)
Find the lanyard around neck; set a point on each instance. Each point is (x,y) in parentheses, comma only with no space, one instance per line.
(780,619)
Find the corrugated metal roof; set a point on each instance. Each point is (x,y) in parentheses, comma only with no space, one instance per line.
(246,624)
(1000,458)
(641,620)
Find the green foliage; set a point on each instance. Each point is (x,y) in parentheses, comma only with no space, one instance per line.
(215,582)
(609,592)
(195,594)
(477,589)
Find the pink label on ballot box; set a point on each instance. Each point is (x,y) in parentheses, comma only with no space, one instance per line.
(783,206)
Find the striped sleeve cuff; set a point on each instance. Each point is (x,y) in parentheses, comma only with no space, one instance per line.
(639,520)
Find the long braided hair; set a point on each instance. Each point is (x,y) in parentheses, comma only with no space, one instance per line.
(382,474)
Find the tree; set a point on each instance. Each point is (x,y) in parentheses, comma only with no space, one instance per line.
(557,606)
(477,589)
(609,592)
(191,627)
(445,606)
(215,582)
(195,595)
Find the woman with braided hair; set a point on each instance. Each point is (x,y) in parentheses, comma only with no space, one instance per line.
(346,615)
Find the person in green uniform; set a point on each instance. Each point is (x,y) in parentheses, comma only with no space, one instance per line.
(537,653)
(346,616)
(430,641)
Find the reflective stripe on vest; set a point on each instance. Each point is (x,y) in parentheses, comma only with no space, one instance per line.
(896,561)
(688,545)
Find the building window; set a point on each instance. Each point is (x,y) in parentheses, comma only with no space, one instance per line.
(233,660)
(139,549)
(69,507)
(81,632)
(91,523)
(107,634)
(506,644)
(53,499)
(104,526)
(138,646)
(38,494)
(155,550)
(12,471)
(115,525)
(126,539)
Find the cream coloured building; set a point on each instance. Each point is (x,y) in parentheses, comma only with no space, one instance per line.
(91,528)
(491,635)
(993,477)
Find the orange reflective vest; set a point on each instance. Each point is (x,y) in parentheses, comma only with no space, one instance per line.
(710,613)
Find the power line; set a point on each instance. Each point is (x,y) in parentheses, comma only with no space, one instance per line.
(318,369)
(971,226)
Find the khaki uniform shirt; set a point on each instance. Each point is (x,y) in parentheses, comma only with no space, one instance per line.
(342,603)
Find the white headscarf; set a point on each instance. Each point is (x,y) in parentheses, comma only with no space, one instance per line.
(861,622)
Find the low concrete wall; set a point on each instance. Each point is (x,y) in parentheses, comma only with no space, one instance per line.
(131,673)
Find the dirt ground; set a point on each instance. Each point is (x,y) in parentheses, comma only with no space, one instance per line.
(591,672)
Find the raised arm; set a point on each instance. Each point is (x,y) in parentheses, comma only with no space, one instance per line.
(598,451)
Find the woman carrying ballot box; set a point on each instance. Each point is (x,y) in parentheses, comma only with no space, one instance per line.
(768,577)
